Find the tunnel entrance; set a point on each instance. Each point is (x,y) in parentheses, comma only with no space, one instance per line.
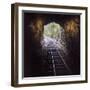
(53,36)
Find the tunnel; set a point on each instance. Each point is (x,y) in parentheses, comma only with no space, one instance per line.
(51,44)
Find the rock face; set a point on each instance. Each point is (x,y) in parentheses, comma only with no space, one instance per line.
(37,30)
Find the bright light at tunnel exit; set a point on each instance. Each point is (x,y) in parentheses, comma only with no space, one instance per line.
(52,36)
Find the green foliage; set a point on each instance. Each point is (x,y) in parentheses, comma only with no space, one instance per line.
(52,30)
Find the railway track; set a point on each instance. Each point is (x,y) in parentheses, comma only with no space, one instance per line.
(56,63)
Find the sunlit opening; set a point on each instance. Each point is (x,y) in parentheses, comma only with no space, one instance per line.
(53,36)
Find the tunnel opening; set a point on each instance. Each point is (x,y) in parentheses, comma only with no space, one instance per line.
(53,36)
